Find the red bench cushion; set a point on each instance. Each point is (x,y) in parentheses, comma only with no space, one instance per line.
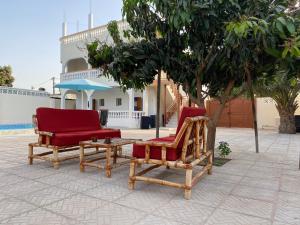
(73,138)
(67,120)
(172,153)
(155,152)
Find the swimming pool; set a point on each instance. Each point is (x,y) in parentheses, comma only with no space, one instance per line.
(19,126)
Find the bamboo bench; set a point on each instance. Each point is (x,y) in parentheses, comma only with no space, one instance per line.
(61,130)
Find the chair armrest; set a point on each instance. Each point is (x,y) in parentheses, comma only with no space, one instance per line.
(156,143)
(46,133)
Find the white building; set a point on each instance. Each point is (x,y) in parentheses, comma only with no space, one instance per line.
(125,108)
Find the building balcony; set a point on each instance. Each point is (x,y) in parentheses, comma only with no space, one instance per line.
(96,33)
(84,74)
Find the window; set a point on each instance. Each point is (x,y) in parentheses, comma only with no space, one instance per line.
(118,101)
(101,102)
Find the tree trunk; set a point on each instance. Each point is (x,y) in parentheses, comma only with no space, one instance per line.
(287,122)
(212,128)
(157,122)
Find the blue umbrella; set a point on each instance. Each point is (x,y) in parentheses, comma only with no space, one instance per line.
(82,84)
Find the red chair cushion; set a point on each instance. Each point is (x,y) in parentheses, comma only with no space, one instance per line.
(189,112)
(172,153)
(67,120)
(73,138)
(155,152)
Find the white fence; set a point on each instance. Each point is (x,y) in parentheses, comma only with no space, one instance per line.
(18,105)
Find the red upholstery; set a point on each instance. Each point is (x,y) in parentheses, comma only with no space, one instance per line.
(155,152)
(73,138)
(72,126)
(189,112)
(67,120)
(172,154)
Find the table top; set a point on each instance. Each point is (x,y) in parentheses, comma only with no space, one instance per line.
(114,142)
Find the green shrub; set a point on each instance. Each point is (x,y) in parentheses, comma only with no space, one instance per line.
(224,149)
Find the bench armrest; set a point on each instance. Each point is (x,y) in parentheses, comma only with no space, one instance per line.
(46,133)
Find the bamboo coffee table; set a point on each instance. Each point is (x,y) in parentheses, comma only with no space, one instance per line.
(112,151)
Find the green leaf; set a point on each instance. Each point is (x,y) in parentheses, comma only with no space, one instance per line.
(291,28)
(285,52)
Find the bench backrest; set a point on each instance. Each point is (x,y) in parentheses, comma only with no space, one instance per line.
(67,120)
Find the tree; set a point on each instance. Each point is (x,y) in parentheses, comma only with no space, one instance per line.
(281,69)
(6,78)
(284,91)
(191,41)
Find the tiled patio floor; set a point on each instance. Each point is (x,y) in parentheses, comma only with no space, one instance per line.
(251,189)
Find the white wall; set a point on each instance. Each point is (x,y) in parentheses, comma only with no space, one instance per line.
(19,108)
(110,96)
(267,114)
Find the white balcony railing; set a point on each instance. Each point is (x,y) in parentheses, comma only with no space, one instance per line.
(125,119)
(91,34)
(125,114)
(85,74)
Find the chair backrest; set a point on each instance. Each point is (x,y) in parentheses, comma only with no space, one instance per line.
(67,120)
(187,112)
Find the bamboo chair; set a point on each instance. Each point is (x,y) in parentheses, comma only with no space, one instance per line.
(192,135)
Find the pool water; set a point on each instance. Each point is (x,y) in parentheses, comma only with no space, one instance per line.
(15,126)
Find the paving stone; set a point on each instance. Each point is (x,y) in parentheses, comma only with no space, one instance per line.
(22,188)
(108,192)
(112,214)
(40,216)
(47,196)
(248,206)
(288,215)
(224,217)
(179,210)
(75,206)
(12,206)
(151,220)
(255,193)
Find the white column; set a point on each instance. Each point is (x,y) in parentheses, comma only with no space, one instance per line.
(64,29)
(63,98)
(145,102)
(131,101)
(89,94)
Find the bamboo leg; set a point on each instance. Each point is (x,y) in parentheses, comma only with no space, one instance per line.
(131,181)
(120,150)
(30,154)
(115,150)
(210,162)
(188,184)
(108,167)
(81,152)
(55,159)
(97,149)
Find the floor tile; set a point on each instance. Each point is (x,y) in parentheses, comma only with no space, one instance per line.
(12,206)
(224,217)
(75,206)
(112,214)
(248,206)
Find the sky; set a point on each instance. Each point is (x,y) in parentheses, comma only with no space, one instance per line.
(30,32)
